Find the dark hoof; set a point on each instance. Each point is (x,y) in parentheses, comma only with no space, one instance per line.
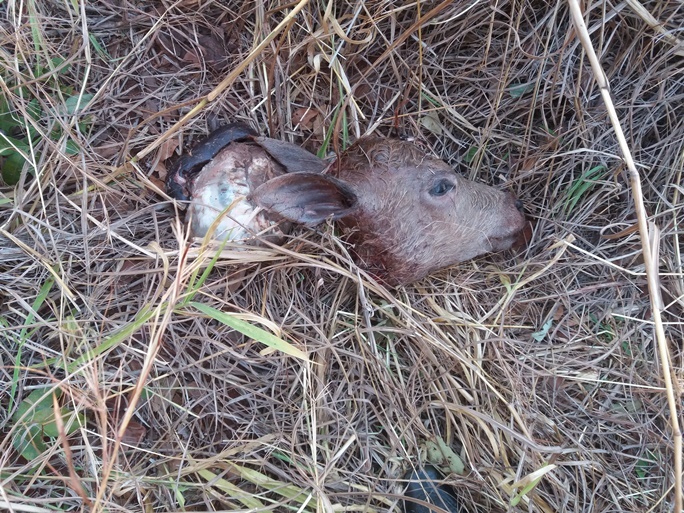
(423,487)
(179,176)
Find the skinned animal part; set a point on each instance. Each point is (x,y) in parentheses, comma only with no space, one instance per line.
(221,171)
(406,213)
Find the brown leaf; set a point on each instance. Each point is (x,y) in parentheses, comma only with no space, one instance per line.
(159,182)
(108,150)
(167,149)
(191,57)
(304,117)
(134,434)
(213,48)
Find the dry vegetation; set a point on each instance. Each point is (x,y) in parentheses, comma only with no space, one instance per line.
(538,367)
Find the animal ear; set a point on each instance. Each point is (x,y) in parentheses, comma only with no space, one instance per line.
(308,198)
(292,157)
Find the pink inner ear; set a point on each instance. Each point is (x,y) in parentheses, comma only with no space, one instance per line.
(308,198)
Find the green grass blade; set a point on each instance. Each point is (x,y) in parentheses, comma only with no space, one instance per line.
(249,330)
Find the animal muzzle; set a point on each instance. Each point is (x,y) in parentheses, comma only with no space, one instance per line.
(512,224)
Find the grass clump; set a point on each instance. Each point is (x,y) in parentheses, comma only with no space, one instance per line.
(134,373)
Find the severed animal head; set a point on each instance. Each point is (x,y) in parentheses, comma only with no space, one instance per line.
(406,213)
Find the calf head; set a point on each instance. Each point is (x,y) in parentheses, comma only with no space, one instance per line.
(407,213)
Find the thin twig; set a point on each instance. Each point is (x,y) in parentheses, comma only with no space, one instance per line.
(651,264)
(226,82)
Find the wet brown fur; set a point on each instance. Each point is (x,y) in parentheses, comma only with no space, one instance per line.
(406,213)
(402,234)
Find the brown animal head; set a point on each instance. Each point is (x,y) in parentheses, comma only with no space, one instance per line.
(406,213)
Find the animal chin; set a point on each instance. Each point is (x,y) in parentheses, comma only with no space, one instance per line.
(513,234)
(502,243)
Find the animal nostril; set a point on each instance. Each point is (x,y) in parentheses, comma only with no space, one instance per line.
(519,204)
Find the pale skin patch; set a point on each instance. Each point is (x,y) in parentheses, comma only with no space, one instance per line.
(221,190)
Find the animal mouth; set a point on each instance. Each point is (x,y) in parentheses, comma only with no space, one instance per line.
(517,239)
(503,243)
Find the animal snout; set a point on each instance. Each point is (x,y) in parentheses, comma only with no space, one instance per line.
(513,202)
(513,220)
(520,227)
(518,217)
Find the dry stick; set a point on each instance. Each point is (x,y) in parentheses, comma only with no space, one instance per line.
(651,266)
(226,82)
(420,22)
(158,324)
(74,480)
(658,27)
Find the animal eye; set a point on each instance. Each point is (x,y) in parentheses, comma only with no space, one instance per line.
(442,187)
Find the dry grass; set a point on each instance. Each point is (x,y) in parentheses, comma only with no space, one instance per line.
(538,367)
